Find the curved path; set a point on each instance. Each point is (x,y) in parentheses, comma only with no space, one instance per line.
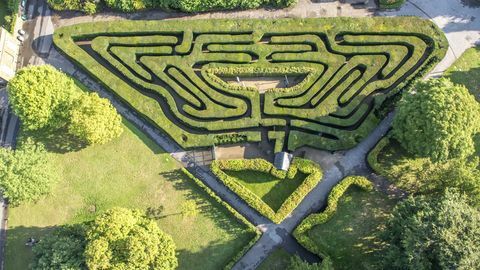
(462,29)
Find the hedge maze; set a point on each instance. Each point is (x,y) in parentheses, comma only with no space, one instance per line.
(173,73)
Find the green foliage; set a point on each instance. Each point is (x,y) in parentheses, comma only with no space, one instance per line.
(61,249)
(422,176)
(44,97)
(26,174)
(94,120)
(40,96)
(230,138)
(437,120)
(124,239)
(391,4)
(300,233)
(197,108)
(296,263)
(433,233)
(314,175)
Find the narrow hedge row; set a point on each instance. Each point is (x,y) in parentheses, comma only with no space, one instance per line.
(372,157)
(234,212)
(311,169)
(301,232)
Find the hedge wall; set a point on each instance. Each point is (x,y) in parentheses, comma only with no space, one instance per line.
(311,169)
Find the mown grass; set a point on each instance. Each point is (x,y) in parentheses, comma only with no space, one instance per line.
(132,172)
(272,190)
(466,71)
(278,259)
(351,236)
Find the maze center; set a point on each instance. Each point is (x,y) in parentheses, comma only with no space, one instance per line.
(249,81)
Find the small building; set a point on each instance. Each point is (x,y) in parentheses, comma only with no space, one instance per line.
(8,55)
(282,160)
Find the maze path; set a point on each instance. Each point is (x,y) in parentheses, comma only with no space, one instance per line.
(171,73)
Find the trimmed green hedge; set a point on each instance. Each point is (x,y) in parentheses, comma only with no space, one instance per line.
(311,169)
(170,73)
(300,233)
(391,4)
(372,157)
(234,212)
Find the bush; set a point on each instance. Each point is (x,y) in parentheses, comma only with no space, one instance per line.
(314,175)
(124,239)
(26,174)
(433,233)
(391,4)
(94,120)
(437,120)
(301,232)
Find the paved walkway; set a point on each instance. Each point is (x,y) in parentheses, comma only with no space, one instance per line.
(451,16)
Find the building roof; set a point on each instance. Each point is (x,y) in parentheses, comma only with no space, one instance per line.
(282,160)
(8,55)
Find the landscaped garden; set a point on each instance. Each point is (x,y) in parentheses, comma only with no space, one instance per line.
(175,73)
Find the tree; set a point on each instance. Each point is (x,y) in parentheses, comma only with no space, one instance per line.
(296,263)
(189,209)
(124,239)
(40,96)
(61,249)
(26,174)
(94,120)
(433,233)
(437,120)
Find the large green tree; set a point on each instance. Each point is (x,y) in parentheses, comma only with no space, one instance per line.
(124,239)
(40,96)
(437,120)
(433,233)
(61,249)
(26,174)
(94,120)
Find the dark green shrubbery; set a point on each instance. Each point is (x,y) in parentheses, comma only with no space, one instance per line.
(9,20)
(230,138)
(91,6)
(391,4)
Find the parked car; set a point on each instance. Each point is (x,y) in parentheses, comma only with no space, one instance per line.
(21,38)
(21,32)
(23,3)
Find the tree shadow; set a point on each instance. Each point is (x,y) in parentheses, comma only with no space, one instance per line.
(206,205)
(156,149)
(18,255)
(470,78)
(56,141)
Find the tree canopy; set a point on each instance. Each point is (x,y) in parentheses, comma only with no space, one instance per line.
(44,97)
(39,95)
(26,174)
(124,239)
(62,249)
(437,120)
(94,120)
(433,233)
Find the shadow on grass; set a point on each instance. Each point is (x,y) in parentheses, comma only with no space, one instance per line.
(470,78)
(156,149)
(17,254)
(56,141)
(206,205)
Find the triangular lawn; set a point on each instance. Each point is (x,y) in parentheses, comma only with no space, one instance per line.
(273,193)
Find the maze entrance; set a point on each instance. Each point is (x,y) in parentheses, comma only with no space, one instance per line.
(178,75)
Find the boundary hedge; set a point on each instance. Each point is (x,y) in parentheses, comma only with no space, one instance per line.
(234,212)
(301,232)
(310,168)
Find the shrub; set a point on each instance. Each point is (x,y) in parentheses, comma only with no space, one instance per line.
(391,4)
(124,239)
(94,120)
(301,232)
(437,120)
(433,233)
(26,174)
(314,175)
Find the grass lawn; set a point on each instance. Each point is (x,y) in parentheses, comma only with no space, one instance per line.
(466,71)
(278,259)
(133,172)
(351,237)
(272,190)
